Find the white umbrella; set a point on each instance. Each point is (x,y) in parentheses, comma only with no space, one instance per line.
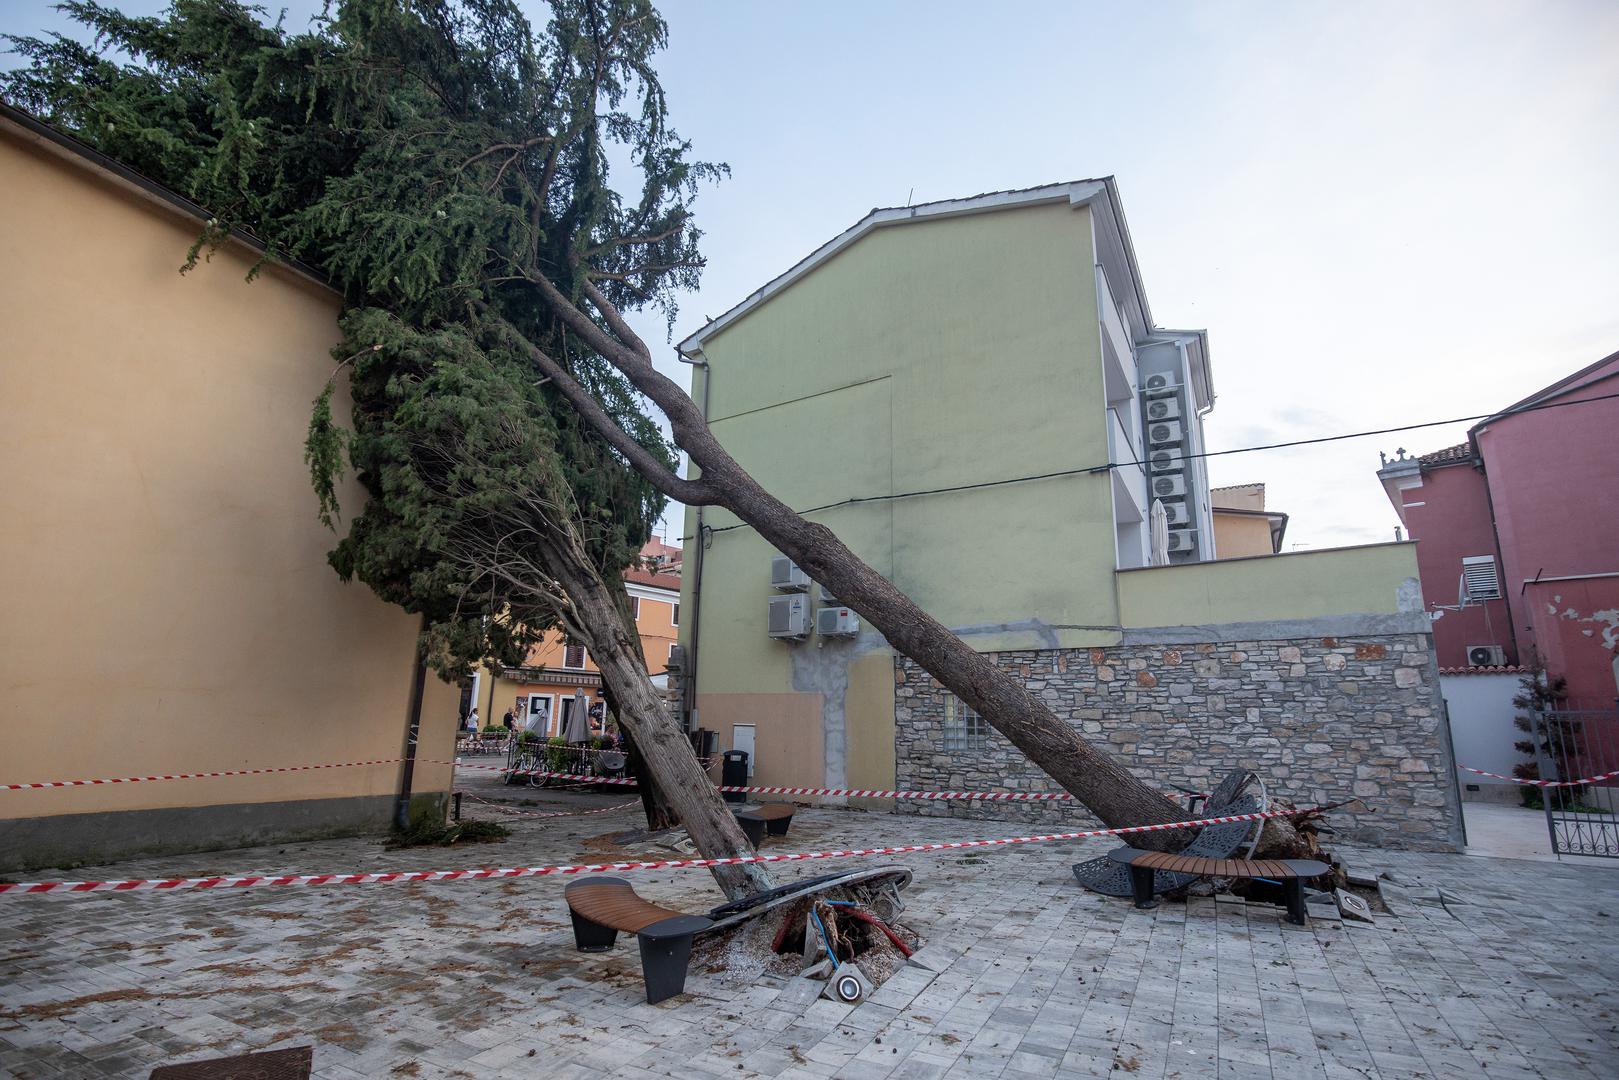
(1159,519)
(578,720)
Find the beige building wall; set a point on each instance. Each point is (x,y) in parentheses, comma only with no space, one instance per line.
(168,606)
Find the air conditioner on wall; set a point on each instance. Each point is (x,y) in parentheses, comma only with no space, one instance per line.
(789,617)
(826,595)
(1166,408)
(837,622)
(1486,656)
(1182,540)
(1175,511)
(1168,486)
(1156,385)
(1168,431)
(786,576)
(1165,461)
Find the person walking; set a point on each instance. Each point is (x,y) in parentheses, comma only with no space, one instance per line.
(472,720)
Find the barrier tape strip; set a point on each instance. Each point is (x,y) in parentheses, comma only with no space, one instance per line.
(853,793)
(1545,783)
(856,793)
(502,809)
(405,877)
(203,775)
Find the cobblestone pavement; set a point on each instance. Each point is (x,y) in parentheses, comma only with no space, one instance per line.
(1512,976)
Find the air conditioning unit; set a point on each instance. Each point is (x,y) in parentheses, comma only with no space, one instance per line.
(837,622)
(1157,385)
(1168,431)
(786,576)
(1167,408)
(1166,461)
(1486,656)
(1175,512)
(1182,540)
(1168,486)
(789,617)
(826,595)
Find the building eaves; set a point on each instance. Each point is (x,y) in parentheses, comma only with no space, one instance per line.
(1450,455)
(62,145)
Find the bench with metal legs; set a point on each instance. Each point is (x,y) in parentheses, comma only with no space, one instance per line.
(602,907)
(768,817)
(1290,874)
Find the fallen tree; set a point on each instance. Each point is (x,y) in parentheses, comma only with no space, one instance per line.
(449,167)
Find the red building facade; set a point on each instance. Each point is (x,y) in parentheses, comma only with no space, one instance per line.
(1518,532)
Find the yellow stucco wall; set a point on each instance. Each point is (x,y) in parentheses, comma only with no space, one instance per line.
(168,606)
(1239,535)
(1299,585)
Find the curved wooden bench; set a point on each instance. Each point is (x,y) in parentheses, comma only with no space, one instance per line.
(1291,873)
(601,907)
(772,817)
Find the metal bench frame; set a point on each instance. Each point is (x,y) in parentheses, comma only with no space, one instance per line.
(1289,873)
(759,820)
(665,943)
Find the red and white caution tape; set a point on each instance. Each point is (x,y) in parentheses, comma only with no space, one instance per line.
(1545,783)
(259,881)
(206,775)
(853,793)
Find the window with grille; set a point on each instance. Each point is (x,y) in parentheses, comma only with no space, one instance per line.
(964,730)
(1479,579)
(573,656)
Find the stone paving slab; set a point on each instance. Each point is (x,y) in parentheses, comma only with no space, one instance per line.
(1515,973)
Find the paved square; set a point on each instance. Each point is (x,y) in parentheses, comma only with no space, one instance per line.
(1513,972)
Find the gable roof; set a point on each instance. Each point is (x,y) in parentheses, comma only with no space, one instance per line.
(1114,251)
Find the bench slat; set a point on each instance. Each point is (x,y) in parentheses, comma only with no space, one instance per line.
(615,905)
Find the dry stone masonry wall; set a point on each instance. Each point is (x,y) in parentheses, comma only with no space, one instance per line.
(1320,720)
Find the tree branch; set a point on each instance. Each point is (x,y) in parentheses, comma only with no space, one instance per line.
(691,492)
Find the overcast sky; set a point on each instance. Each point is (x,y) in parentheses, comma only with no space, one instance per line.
(1382,213)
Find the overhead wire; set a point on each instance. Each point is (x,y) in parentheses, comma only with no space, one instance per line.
(1091,470)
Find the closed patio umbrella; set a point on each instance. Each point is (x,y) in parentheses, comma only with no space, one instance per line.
(578,727)
(1159,523)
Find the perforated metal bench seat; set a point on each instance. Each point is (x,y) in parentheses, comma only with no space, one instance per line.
(1289,873)
(766,817)
(602,907)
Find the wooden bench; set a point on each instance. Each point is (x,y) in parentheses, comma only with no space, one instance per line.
(1289,873)
(772,817)
(603,906)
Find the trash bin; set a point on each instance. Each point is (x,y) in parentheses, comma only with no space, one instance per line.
(734,773)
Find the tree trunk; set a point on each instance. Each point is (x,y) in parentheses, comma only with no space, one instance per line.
(654,803)
(1089,773)
(668,757)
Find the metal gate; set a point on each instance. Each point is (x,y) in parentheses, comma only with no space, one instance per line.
(1572,743)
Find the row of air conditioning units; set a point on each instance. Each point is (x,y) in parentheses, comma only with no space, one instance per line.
(789,615)
(1168,475)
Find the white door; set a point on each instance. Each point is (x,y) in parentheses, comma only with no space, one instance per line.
(539,715)
(742,739)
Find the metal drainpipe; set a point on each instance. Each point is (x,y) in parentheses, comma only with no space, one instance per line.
(413,726)
(697,570)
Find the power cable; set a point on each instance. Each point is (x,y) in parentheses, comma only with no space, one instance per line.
(1091,470)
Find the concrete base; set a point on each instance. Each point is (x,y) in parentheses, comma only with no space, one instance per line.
(1504,794)
(68,840)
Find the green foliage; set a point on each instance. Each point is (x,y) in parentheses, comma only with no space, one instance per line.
(1539,696)
(424,833)
(435,159)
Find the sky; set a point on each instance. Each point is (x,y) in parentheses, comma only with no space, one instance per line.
(1382,213)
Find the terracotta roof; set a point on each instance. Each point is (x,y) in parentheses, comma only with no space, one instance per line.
(1507,669)
(1450,455)
(665,580)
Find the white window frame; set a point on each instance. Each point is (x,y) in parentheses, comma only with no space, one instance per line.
(635,608)
(674,613)
(584,657)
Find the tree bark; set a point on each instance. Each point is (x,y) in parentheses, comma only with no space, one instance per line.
(1101,783)
(668,757)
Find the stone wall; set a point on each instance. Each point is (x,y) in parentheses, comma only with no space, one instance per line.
(1320,720)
